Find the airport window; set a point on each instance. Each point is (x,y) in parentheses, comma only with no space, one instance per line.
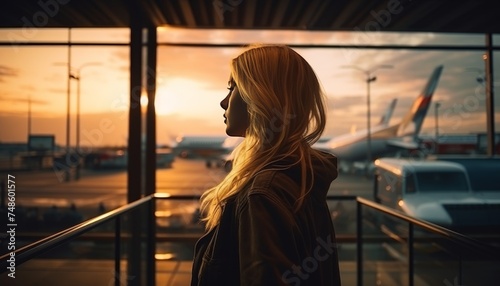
(191,81)
(36,85)
(15,36)
(496,40)
(61,35)
(37,79)
(459,92)
(168,35)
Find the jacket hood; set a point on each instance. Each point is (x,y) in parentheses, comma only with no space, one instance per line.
(324,174)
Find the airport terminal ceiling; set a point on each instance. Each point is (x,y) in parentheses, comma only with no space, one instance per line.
(314,15)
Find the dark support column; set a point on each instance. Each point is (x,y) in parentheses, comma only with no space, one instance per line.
(134,120)
(150,113)
(490,104)
(151,152)
(134,163)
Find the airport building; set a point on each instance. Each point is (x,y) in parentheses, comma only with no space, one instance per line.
(96,190)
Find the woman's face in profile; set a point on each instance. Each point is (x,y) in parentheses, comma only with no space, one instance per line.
(236,113)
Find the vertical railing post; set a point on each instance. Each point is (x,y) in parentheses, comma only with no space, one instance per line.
(151,240)
(410,254)
(460,268)
(117,251)
(359,243)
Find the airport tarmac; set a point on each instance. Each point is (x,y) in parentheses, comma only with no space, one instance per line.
(103,190)
(99,191)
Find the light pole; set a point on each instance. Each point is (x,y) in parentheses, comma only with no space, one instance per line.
(77,76)
(30,102)
(369,77)
(483,78)
(436,116)
(29,116)
(68,107)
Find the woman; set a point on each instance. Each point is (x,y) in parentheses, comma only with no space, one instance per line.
(268,222)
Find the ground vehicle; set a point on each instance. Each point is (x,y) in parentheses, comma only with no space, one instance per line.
(437,191)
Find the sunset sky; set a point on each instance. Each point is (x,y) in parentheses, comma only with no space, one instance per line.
(192,81)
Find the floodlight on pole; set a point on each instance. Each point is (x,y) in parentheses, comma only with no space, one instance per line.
(76,75)
(436,119)
(369,77)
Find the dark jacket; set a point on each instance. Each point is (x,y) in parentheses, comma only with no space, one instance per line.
(260,240)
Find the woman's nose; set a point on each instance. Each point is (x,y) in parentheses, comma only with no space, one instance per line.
(224,102)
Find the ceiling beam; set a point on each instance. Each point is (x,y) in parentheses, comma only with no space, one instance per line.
(187,12)
(249,20)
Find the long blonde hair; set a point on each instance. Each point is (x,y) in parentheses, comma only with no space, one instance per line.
(286,116)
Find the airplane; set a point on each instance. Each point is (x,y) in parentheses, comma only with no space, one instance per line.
(218,148)
(209,148)
(386,117)
(386,139)
(384,121)
(231,142)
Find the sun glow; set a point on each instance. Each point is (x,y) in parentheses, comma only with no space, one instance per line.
(144,100)
(178,95)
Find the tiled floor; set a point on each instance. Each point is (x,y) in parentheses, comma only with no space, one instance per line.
(169,273)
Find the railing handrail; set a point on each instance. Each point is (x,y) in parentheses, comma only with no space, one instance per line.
(440,230)
(25,253)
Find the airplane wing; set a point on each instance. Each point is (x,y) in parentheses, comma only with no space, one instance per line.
(403,144)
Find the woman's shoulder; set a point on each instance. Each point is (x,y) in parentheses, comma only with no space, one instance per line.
(275,179)
(274,186)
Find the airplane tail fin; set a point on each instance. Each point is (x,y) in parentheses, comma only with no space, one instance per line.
(386,117)
(412,122)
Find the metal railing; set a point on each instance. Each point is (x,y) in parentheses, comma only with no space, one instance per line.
(44,245)
(480,248)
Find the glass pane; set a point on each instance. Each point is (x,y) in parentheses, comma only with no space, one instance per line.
(85,260)
(462,103)
(357,37)
(191,83)
(33,35)
(101,35)
(34,114)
